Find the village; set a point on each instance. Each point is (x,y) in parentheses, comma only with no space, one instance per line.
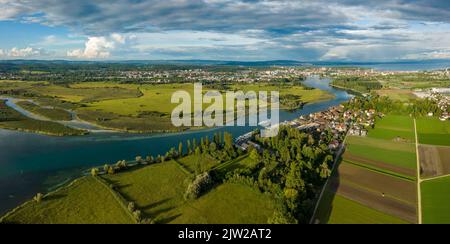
(337,120)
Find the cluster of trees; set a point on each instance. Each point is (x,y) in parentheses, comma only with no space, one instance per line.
(359,84)
(292,167)
(201,184)
(415,107)
(221,147)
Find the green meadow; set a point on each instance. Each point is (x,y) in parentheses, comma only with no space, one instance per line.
(395,153)
(50,113)
(84,201)
(13,120)
(394,126)
(432,131)
(436,201)
(133,107)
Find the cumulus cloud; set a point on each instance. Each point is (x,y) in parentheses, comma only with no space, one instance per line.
(21,52)
(98,47)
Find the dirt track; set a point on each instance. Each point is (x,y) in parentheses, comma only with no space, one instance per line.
(378,164)
(434,160)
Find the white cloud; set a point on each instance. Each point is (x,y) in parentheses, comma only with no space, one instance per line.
(20,52)
(95,48)
(118,38)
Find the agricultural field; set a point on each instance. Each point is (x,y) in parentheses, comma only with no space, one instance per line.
(434,160)
(403,95)
(84,201)
(376,177)
(394,127)
(432,131)
(436,201)
(345,211)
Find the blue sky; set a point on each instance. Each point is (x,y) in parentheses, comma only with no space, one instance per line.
(305,30)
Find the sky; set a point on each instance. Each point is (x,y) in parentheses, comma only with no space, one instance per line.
(241,30)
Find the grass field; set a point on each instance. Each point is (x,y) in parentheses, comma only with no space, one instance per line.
(201,163)
(157,190)
(131,107)
(50,113)
(397,94)
(228,204)
(345,211)
(394,126)
(399,154)
(13,120)
(84,201)
(436,201)
(432,131)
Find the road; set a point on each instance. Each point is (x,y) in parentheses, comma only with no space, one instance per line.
(419,181)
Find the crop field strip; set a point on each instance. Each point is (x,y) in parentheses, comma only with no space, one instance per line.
(434,159)
(373,176)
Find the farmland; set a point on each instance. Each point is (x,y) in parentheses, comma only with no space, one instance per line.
(434,151)
(435,201)
(433,131)
(375,178)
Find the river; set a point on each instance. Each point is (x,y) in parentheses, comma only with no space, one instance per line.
(32,163)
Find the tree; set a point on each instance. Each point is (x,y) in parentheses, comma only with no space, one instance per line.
(38,198)
(94,171)
(131,206)
(180,149)
(138,159)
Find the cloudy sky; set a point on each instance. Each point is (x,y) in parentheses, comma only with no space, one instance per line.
(305,30)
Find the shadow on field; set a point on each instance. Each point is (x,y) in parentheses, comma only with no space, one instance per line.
(155,204)
(168,219)
(325,208)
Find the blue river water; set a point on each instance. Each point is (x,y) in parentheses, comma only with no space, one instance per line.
(32,163)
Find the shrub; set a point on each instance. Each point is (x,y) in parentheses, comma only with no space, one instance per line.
(137,215)
(201,184)
(94,171)
(131,206)
(111,170)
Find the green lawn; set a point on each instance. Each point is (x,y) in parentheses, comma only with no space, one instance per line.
(84,201)
(436,201)
(228,204)
(345,211)
(432,131)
